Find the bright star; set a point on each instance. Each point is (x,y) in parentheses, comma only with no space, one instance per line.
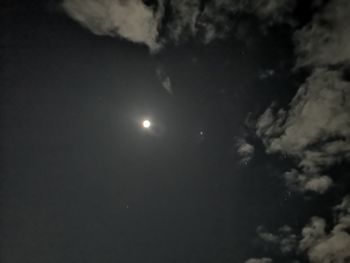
(146,124)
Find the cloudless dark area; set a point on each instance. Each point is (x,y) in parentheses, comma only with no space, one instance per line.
(81,181)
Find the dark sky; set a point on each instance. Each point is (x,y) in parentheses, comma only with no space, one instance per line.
(82,181)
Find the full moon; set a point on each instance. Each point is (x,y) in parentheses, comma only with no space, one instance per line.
(146,124)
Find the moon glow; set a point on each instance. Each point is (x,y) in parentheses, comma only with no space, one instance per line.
(146,124)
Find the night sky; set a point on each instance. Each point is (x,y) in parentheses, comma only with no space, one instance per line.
(246,159)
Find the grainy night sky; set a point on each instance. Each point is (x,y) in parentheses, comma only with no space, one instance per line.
(246,157)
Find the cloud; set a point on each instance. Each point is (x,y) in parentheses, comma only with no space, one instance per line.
(259,260)
(184,23)
(313,232)
(275,10)
(164,80)
(245,150)
(319,242)
(304,182)
(323,247)
(315,130)
(319,111)
(129,19)
(284,239)
(170,21)
(326,40)
(220,16)
(267,73)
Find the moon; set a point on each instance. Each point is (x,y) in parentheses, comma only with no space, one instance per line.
(146,124)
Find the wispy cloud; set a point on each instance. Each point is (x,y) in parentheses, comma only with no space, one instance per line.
(164,80)
(284,239)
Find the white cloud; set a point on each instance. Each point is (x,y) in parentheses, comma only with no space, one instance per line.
(139,23)
(319,110)
(313,232)
(259,260)
(315,130)
(307,182)
(130,19)
(319,242)
(245,150)
(323,247)
(326,40)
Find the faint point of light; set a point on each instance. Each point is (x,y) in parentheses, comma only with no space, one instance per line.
(146,124)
